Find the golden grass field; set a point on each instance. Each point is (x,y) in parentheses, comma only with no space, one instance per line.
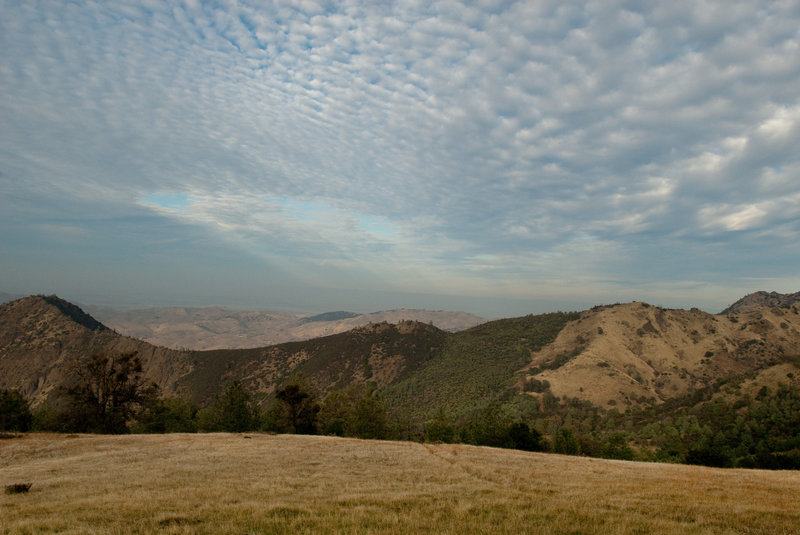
(228,483)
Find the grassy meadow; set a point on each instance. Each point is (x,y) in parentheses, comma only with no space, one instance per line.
(256,483)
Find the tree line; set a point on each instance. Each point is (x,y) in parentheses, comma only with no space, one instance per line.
(106,394)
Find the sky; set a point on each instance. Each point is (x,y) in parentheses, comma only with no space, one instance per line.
(497,157)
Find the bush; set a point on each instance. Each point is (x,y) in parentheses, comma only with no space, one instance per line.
(708,456)
(523,437)
(493,427)
(440,429)
(18,488)
(616,447)
(536,385)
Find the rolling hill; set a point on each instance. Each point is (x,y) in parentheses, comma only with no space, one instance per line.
(634,354)
(621,355)
(223,328)
(41,336)
(579,371)
(416,364)
(757,300)
(258,483)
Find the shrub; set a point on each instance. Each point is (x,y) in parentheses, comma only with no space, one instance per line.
(536,385)
(18,488)
(523,437)
(616,447)
(439,431)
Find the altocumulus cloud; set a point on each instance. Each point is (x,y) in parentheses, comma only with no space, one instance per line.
(555,151)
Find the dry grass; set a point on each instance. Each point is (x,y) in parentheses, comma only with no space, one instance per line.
(636,350)
(224,483)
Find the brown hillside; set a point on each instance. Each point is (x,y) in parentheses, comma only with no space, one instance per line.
(612,356)
(380,353)
(223,328)
(636,353)
(41,336)
(758,300)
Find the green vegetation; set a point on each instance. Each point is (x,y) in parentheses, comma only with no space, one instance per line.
(165,415)
(474,368)
(751,433)
(356,411)
(701,428)
(15,412)
(232,411)
(295,409)
(759,432)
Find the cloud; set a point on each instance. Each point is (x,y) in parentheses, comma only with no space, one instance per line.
(417,146)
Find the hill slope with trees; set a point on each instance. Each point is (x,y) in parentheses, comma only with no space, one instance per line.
(621,381)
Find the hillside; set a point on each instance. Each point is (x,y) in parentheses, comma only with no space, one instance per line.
(758,300)
(475,367)
(612,356)
(41,336)
(223,328)
(634,354)
(677,384)
(381,353)
(230,483)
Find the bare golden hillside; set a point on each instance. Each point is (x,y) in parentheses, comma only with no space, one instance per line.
(634,353)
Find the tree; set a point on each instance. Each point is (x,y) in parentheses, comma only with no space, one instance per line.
(439,429)
(371,420)
(232,411)
(336,414)
(15,412)
(356,411)
(164,415)
(523,437)
(104,393)
(488,427)
(298,409)
(566,443)
(616,447)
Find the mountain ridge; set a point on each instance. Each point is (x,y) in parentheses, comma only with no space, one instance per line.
(625,381)
(224,328)
(624,355)
(762,299)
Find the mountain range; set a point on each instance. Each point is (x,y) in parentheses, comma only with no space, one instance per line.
(623,355)
(224,328)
